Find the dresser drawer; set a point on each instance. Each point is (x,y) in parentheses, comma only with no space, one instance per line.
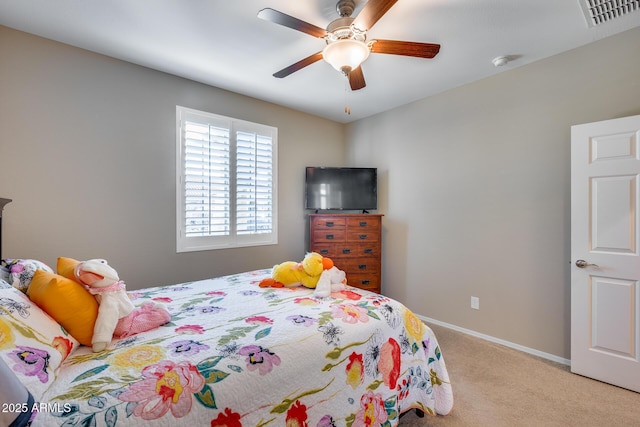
(324,249)
(364,281)
(363,235)
(324,236)
(329,235)
(356,250)
(358,265)
(372,225)
(321,222)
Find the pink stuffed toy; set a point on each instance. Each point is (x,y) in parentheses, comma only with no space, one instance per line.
(117,316)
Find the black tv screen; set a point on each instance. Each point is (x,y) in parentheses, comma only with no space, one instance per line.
(341,188)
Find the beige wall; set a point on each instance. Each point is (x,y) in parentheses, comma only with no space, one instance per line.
(476,190)
(88,156)
(474,182)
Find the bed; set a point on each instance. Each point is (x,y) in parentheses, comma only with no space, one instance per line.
(233,354)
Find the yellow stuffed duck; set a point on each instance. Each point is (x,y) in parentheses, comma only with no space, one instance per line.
(117,316)
(291,274)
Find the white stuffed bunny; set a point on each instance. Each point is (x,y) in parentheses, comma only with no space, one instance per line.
(332,280)
(117,315)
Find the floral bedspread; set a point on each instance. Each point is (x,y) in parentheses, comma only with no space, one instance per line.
(236,354)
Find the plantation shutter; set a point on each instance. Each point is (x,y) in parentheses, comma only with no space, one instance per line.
(254,183)
(206,180)
(227,182)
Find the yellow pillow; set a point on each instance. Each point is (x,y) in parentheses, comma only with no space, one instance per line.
(68,302)
(66,267)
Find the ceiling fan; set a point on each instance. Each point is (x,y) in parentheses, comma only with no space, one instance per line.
(346,39)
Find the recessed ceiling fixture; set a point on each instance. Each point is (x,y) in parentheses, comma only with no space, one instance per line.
(500,61)
(598,12)
(346,39)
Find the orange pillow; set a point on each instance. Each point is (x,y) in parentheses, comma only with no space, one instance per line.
(66,267)
(68,302)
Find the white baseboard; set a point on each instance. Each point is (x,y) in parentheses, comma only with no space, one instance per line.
(519,347)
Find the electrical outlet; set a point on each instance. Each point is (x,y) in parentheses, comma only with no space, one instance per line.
(475,303)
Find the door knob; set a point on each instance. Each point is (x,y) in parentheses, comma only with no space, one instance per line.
(582,264)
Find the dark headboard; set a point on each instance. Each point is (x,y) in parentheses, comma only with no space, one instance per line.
(2,203)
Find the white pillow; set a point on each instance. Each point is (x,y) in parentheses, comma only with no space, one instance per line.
(32,344)
(19,272)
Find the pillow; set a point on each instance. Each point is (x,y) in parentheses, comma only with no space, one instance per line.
(66,267)
(68,302)
(19,272)
(32,344)
(4,271)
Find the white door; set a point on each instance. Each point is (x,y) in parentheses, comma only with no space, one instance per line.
(605,251)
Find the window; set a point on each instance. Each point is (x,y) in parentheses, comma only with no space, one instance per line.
(226,182)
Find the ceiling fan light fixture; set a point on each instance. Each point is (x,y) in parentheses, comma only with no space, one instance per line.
(346,54)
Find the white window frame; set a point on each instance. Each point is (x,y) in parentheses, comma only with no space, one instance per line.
(233,239)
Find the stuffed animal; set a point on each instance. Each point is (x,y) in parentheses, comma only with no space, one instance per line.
(331,280)
(291,274)
(117,316)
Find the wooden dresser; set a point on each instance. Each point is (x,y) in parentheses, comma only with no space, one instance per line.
(353,242)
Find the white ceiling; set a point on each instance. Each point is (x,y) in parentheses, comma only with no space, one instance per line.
(224,44)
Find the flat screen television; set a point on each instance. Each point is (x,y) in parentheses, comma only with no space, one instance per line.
(329,188)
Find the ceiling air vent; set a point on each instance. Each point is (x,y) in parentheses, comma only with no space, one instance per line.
(600,11)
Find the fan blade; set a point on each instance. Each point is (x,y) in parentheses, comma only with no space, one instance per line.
(280,18)
(393,47)
(298,65)
(356,79)
(371,13)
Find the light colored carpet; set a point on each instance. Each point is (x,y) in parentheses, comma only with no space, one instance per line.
(498,386)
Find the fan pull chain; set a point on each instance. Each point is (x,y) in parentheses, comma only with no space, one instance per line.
(347,109)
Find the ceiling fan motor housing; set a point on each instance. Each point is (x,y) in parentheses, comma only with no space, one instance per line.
(341,28)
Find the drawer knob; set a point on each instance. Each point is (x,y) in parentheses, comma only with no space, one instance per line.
(329,223)
(363,223)
(346,251)
(362,266)
(324,251)
(365,282)
(363,237)
(368,250)
(329,236)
